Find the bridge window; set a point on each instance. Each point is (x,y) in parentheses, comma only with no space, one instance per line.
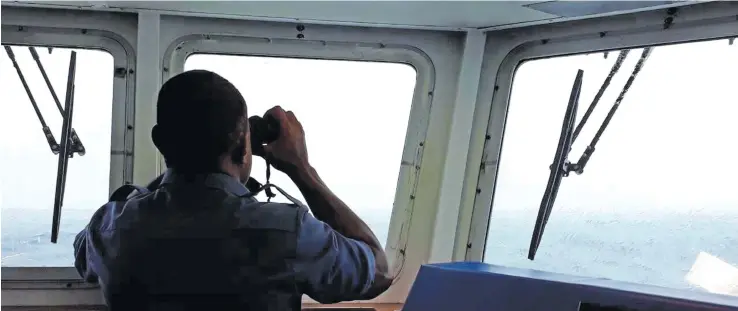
(657,203)
(355,116)
(27,163)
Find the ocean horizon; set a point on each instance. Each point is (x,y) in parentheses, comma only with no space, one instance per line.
(656,250)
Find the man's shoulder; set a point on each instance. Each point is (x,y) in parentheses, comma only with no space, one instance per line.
(272,215)
(116,213)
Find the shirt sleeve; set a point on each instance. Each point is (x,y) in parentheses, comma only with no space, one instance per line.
(80,256)
(329,266)
(86,257)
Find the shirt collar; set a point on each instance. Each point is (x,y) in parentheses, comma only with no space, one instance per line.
(213,180)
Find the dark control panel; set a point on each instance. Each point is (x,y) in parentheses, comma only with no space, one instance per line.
(588,306)
(470,286)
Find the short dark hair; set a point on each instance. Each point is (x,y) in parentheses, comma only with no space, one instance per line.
(200,116)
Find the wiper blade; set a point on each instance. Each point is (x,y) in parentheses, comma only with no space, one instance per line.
(44,127)
(66,148)
(561,167)
(76,143)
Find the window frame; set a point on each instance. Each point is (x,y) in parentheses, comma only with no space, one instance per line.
(122,130)
(699,22)
(418,123)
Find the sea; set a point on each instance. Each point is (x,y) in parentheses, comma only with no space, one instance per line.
(657,250)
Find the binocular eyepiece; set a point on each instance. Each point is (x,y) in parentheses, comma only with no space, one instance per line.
(263,131)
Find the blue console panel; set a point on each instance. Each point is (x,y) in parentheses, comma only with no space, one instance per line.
(467,286)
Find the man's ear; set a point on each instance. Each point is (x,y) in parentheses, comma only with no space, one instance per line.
(247,142)
(157,137)
(239,152)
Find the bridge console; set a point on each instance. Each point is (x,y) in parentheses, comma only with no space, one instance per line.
(467,286)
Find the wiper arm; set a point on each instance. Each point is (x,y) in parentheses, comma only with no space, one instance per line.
(66,149)
(605,84)
(579,166)
(44,127)
(76,143)
(77,146)
(561,167)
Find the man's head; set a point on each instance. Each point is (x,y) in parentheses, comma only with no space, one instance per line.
(202,125)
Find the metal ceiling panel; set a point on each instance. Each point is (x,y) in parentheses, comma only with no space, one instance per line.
(446,15)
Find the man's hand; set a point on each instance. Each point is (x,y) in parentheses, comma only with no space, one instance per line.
(288,153)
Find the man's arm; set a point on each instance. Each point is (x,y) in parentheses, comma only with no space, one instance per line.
(289,154)
(81,246)
(328,208)
(331,267)
(80,257)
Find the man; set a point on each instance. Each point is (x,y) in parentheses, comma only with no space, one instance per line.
(201,241)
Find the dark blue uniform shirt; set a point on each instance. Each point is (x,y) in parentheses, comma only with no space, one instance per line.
(204,243)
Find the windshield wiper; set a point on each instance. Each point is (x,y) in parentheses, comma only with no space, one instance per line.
(561,167)
(66,149)
(70,142)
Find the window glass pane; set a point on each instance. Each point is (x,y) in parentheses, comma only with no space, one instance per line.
(660,189)
(355,116)
(28,166)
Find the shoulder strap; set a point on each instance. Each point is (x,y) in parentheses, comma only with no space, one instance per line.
(122,193)
(289,197)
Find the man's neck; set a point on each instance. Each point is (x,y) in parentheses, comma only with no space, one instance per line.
(201,171)
(230,169)
(224,166)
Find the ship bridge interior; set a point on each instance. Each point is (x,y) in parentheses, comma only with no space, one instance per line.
(438,122)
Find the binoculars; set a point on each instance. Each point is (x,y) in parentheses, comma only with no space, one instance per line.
(263,131)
